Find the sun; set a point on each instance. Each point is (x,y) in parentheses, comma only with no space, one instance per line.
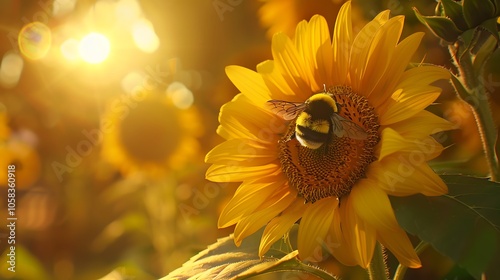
(94,48)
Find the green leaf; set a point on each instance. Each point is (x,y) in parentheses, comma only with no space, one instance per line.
(484,53)
(442,27)
(223,260)
(460,89)
(496,3)
(463,225)
(466,42)
(453,10)
(476,11)
(26,265)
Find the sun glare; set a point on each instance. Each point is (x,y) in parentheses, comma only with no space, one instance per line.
(94,48)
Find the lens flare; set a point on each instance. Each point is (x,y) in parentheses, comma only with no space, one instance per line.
(144,35)
(94,48)
(34,40)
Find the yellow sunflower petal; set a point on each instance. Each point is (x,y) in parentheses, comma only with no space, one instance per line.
(415,79)
(249,197)
(237,173)
(424,123)
(338,246)
(241,118)
(342,41)
(391,142)
(314,225)
(257,220)
(360,50)
(413,94)
(359,236)
(403,174)
(243,151)
(280,225)
(373,206)
(409,107)
(248,82)
(303,44)
(278,85)
(399,61)
(314,43)
(393,241)
(380,54)
(290,63)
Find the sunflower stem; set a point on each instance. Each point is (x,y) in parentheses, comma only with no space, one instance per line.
(478,98)
(401,269)
(321,274)
(377,269)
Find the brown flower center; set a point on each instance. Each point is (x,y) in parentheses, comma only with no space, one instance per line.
(150,131)
(333,168)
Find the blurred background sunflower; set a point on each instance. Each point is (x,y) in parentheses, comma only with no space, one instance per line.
(154,134)
(107,108)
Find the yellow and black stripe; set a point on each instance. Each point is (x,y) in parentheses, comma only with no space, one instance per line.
(314,125)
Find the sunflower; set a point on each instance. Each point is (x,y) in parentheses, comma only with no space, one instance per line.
(339,193)
(26,160)
(149,134)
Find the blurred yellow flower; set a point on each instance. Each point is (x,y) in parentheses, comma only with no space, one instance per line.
(149,134)
(339,192)
(26,160)
(283,15)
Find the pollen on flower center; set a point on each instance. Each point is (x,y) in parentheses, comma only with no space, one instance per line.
(334,168)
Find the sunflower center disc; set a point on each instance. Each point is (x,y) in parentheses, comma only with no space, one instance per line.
(148,132)
(334,168)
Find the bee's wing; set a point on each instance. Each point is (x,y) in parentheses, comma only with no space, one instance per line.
(344,127)
(284,109)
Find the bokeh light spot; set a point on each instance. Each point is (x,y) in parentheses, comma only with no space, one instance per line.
(180,95)
(62,7)
(144,36)
(34,40)
(69,49)
(94,48)
(132,81)
(128,10)
(11,68)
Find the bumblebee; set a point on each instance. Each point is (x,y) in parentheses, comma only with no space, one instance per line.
(317,120)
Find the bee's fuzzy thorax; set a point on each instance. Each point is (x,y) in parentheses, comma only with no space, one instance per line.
(322,102)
